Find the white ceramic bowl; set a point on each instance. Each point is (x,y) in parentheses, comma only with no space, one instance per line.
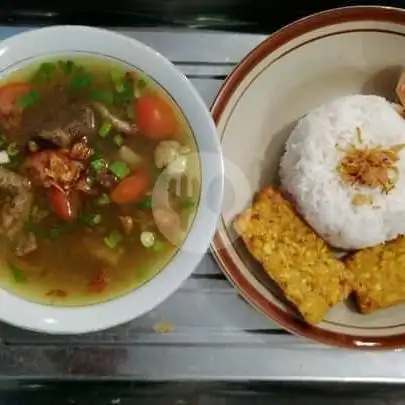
(307,63)
(39,44)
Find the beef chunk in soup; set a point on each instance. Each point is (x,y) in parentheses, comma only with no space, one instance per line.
(69,125)
(118,123)
(83,144)
(25,244)
(17,201)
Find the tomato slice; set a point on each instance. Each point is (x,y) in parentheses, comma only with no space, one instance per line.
(154,117)
(65,205)
(9,94)
(130,189)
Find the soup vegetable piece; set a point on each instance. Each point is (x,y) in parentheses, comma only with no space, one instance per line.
(84,144)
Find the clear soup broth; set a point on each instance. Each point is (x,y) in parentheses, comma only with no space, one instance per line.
(99,180)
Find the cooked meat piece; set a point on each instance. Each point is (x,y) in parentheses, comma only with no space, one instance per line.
(84,185)
(58,136)
(290,252)
(142,219)
(25,243)
(41,144)
(16,210)
(81,126)
(80,151)
(131,77)
(13,182)
(38,214)
(11,121)
(106,179)
(119,124)
(127,223)
(379,274)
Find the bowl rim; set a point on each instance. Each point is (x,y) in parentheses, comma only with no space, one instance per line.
(219,246)
(92,318)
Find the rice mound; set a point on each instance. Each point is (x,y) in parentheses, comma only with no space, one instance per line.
(309,175)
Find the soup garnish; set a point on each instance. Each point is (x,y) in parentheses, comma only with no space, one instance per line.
(84,145)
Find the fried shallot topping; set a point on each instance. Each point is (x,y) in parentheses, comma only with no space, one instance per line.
(372,167)
(362,199)
(53,168)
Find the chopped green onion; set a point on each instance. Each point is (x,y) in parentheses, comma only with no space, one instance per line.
(118,78)
(130,111)
(104,96)
(158,246)
(13,149)
(120,169)
(145,203)
(44,73)
(127,93)
(147,239)
(91,219)
(96,155)
(29,226)
(113,239)
(96,219)
(98,164)
(141,84)
(67,66)
(117,75)
(55,232)
(186,203)
(80,81)
(104,199)
(3,139)
(105,129)
(18,275)
(28,99)
(47,67)
(118,140)
(120,87)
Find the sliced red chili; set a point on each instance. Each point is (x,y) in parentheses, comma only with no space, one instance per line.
(98,283)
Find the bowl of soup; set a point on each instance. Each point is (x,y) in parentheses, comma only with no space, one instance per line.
(111,179)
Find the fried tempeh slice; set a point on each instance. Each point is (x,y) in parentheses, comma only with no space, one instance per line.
(290,252)
(379,274)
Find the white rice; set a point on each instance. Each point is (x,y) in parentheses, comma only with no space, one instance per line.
(308,172)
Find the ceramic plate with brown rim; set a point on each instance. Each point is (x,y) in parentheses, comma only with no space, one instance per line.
(341,52)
